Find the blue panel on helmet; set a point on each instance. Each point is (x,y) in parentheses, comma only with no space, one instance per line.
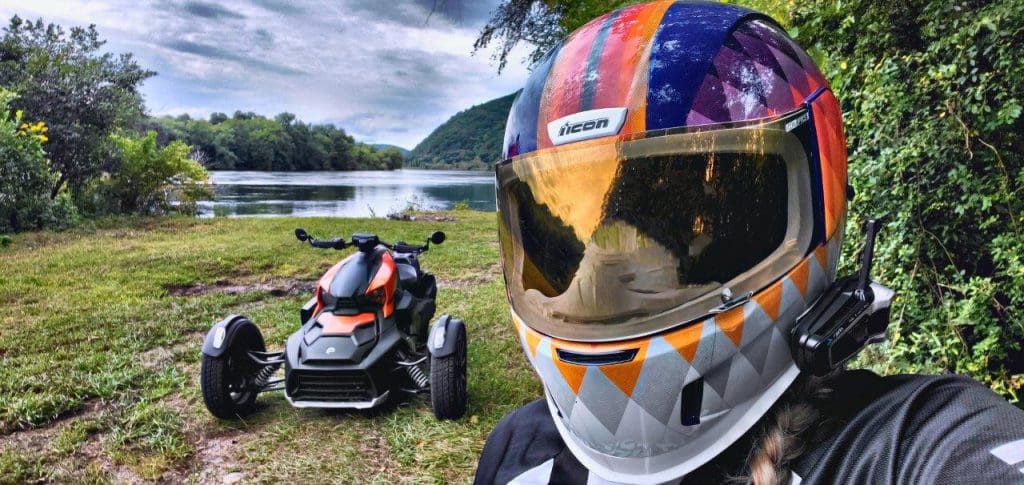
(684,47)
(521,128)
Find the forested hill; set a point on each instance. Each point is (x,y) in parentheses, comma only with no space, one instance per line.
(469,140)
(247,141)
(385,146)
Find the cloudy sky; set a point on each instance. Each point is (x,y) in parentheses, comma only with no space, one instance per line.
(385,71)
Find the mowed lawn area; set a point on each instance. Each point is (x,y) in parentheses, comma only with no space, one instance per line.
(100,331)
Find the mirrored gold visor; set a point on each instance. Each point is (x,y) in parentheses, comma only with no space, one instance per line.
(621,237)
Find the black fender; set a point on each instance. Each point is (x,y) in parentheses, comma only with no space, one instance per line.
(224,332)
(443,335)
(306,312)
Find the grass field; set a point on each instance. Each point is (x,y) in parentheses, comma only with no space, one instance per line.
(100,332)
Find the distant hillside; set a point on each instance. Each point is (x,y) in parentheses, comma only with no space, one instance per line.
(384,146)
(469,140)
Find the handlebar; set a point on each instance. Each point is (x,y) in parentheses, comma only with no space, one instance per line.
(367,242)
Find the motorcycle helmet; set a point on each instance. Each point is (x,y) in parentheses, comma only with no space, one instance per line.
(671,197)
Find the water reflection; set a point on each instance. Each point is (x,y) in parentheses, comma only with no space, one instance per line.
(344,194)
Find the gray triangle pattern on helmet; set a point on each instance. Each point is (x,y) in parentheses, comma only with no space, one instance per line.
(743,379)
(638,426)
(816,278)
(604,399)
(712,402)
(717,379)
(792,305)
(702,358)
(755,323)
(756,351)
(663,369)
(779,357)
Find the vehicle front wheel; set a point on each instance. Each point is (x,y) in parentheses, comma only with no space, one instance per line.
(228,382)
(448,381)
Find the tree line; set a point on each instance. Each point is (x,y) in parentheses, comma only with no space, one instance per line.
(248,141)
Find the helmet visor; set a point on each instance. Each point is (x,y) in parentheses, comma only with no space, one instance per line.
(623,237)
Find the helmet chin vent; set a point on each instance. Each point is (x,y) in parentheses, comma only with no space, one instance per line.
(693,395)
(597,358)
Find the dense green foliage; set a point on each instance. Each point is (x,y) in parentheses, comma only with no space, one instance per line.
(932,94)
(83,94)
(149,180)
(247,141)
(471,139)
(25,177)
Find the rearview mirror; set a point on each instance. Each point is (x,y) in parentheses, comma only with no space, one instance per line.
(301,234)
(437,237)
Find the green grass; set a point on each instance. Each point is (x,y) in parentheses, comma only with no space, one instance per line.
(99,362)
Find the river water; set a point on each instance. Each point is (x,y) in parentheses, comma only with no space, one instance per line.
(344,194)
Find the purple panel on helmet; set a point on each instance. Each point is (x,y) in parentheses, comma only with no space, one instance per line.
(776,91)
(710,106)
(521,128)
(758,72)
(754,47)
(686,43)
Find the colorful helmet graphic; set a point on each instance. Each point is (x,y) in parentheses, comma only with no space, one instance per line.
(672,197)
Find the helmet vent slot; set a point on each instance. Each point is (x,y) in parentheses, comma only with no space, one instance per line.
(597,358)
(692,397)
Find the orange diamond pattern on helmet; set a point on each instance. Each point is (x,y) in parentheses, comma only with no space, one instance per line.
(532,339)
(769,300)
(799,276)
(624,375)
(572,373)
(821,255)
(731,323)
(686,340)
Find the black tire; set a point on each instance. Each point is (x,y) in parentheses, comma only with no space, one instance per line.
(448,381)
(228,381)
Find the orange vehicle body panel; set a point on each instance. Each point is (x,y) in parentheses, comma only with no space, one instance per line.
(343,324)
(386,277)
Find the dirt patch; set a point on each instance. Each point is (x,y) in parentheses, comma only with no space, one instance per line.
(487,276)
(92,452)
(285,287)
(216,459)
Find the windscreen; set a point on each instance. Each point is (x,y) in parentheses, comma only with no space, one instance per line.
(615,232)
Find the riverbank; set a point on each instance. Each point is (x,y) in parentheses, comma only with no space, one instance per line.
(99,349)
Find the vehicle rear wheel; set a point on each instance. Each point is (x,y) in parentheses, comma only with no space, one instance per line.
(228,382)
(448,381)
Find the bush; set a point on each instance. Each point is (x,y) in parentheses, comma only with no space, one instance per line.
(932,94)
(25,176)
(149,179)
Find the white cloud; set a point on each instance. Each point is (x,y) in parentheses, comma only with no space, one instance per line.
(379,69)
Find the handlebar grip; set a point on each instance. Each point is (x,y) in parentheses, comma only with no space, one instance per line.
(328,244)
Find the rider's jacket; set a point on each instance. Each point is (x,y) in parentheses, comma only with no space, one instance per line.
(899,429)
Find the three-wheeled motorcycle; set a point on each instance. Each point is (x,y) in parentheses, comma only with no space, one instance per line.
(365,339)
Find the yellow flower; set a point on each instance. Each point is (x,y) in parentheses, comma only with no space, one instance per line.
(43,139)
(842,65)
